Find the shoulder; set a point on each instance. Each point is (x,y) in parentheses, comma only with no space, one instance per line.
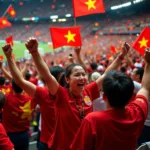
(97,116)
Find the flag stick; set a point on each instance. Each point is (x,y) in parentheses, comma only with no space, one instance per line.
(6,11)
(75,22)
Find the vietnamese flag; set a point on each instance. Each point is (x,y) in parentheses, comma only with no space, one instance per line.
(142,41)
(1,58)
(113,49)
(87,7)
(9,40)
(4,23)
(66,36)
(11,11)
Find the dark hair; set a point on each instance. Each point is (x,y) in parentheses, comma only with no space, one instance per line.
(2,100)
(27,76)
(140,72)
(2,80)
(16,88)
(69,69)
(118,88)
(56,71)
(123,69)
(93,65)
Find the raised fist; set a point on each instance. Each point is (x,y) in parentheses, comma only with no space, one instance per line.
(7,50)
(125,48)
(147,55)
(77,50)
(32,45)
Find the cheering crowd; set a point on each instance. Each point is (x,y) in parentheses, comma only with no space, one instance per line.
(117,90)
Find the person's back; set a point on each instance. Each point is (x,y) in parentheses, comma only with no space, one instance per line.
(119,127)
(17,112)
(16,116)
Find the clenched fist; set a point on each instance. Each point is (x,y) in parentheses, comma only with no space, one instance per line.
(32,45)
(7,49)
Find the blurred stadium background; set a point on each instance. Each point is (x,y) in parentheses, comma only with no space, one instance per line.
(123,21)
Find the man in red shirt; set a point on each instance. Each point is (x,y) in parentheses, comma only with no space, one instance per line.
(5,143)
(40,96)
(119,127)
(16,116)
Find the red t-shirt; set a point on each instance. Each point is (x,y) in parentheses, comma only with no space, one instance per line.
(17,112)
(112,129)
(6,89)
(47,109)
(5,143)
(67,115)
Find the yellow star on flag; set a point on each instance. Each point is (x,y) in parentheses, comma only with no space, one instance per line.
(143,42)
(26,110)
(12,12)
(91,4)
(70,37)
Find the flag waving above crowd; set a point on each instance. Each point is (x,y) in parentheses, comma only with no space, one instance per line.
(4,23)
(66,36)
(143,41)
(86,7)
(11,11)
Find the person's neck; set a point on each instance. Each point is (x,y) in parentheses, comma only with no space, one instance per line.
(108,107)
(75,94)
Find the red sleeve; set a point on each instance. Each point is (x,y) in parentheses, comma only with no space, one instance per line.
(40,95)
(141,104)
(84,139)
(93,89)
(5,143)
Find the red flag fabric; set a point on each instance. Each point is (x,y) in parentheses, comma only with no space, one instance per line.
(11,11)
(87,7)
(66,36)
(4,23)
(9,40)
(142,41)
(113,49)
(1,58)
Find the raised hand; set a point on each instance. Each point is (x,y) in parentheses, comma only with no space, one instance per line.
(125,50)
(77,50)
(7,49)
(32,45)
(147,55)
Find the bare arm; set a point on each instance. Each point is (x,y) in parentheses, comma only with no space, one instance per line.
(145,90)
(28,87)
(32,46)
(25,68)
(114,65)
(78,54)
(5,72)
(129,61)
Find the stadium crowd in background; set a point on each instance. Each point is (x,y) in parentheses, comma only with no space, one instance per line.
(90,96)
